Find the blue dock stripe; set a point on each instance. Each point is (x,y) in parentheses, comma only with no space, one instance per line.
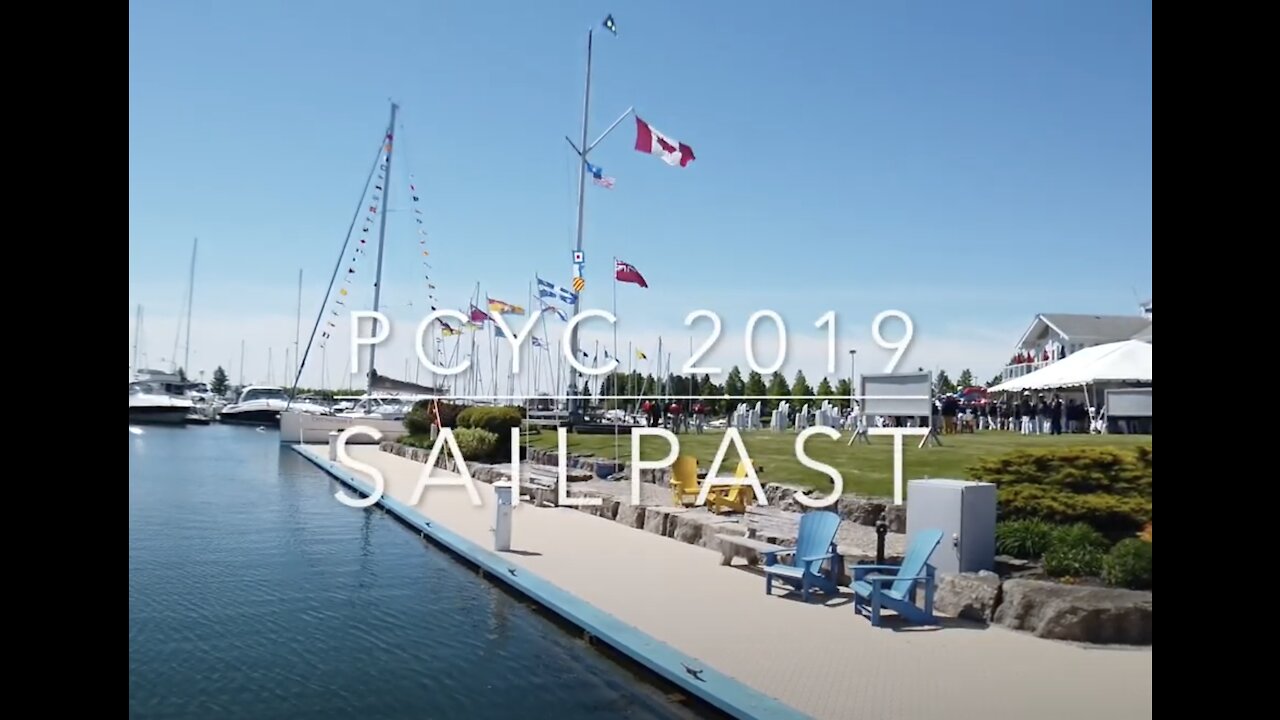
(685,672)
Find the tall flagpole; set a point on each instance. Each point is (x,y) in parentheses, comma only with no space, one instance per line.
(582,197)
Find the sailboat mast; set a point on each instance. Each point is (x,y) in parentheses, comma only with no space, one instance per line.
(137,333)
(191,289)
(242,363)
(582,197)
(297,331)
(382,238)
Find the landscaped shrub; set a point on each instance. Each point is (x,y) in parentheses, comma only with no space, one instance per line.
(422,417)
(477,445)
(1128,565)
(1079,535)
(449,413)
(1108,488)
(418,441)
(418,421)
(1026,539)
(1075,550)
(497,420)
(1072,561)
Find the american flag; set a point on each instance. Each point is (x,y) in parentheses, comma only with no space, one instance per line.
(598,177)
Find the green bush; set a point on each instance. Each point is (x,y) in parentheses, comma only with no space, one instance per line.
(1079,535)
(1108,488)
(1128,565)
(419,441)
(497,420)
(449,413)
(1026,539)
(1075,550)
(418,422)
(1072,561)
(477,445)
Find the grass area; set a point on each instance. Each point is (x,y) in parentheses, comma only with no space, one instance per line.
(866,469)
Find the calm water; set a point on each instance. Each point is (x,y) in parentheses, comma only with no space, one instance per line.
(254,594)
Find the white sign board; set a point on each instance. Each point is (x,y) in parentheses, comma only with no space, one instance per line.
(898,394)
(1129,403)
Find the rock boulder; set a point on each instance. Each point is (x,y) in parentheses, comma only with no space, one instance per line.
(971,596)
(1072,612)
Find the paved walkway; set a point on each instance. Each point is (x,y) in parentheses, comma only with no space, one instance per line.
(821,659)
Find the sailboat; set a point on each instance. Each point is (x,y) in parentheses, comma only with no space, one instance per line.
(387,400)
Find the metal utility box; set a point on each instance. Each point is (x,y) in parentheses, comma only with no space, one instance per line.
(502,520)
(965,512)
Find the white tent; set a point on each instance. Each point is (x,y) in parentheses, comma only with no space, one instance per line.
(1126,361)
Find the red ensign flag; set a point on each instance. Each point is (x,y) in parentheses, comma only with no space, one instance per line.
(626,272)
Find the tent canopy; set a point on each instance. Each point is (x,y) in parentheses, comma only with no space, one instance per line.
(1125,361)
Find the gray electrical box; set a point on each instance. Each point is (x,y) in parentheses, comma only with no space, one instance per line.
(965,512)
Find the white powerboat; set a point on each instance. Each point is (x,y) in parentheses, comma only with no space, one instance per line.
(149,403)
(263,405)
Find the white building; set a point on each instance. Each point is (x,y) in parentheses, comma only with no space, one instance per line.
(1052,337)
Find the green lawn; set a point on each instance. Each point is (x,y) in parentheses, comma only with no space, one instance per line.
(866,469)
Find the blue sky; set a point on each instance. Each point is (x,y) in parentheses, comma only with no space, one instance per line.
(971,164)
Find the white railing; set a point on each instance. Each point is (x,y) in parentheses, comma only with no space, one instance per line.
(1016,371)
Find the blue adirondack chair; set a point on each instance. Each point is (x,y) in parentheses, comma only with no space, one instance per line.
(893,587)
(815,545)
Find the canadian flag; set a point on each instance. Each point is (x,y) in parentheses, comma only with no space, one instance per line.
(672,152)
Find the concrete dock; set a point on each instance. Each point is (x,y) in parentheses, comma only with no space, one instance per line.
(675,601)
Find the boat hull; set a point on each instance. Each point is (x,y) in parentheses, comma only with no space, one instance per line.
(159,415)
(270,418)
(306,428)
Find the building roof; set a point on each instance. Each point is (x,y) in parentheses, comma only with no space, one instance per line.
(1144,335)
(1088,328)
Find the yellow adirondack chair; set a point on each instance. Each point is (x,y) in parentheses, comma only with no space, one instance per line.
(732,498)
(684,481)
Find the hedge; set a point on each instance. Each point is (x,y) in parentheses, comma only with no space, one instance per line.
(1107,488)
(497,420)
(476,444)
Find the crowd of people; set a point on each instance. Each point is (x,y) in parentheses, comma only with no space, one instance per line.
(1027,415)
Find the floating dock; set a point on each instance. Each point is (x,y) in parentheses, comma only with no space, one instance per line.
(711,630)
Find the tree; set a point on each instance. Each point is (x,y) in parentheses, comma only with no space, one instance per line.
(800,389)
(943,383)
(778,388)
(754,387)
(995,380)
(844,389)
(733,384)
(966,379)
(825,391)
(709,392)
(220,382)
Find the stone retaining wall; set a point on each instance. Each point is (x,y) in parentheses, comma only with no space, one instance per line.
(1079,613)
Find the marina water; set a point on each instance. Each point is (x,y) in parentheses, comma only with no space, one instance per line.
(253,593)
